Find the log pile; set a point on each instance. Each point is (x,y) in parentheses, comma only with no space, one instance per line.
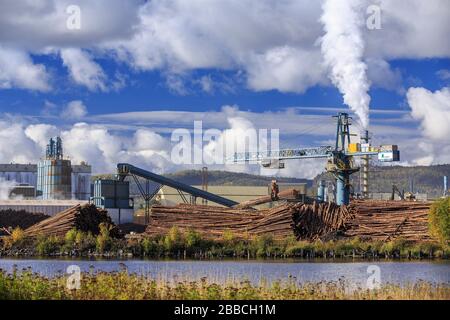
(369,220)
(316,220)
(302,220)
(10,219)
(388,220)
(85,218)
(213,221)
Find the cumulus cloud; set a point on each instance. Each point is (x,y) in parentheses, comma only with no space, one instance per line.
(41,133)
(74,110)
(83,70)
(16,146)
(17,70)
(273,43)
(432,109)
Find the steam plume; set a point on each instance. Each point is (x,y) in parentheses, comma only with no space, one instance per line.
(342,49)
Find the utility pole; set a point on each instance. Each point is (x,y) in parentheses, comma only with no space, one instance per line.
(365,168)
(205,183)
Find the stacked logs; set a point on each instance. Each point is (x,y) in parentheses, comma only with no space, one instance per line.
(85,218)
(213,221)
(388,220)
(10,219)
(305,221)
(368,220)
(316,220)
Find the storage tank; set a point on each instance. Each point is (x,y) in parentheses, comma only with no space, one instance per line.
(54,180)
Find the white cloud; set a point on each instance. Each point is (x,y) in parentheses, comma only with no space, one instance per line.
(83,70)
(381,75)
(272,43)
(74,110)
(17,70)
(433,110)
(16,146)
(41,133)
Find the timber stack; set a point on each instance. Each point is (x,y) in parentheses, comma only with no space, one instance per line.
(301,220)
(388,220)
(10,219)
(213,221)
(85,218)
(316,220)
(368,219)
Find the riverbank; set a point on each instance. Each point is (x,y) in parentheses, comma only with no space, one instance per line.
(190,245)
(121,285)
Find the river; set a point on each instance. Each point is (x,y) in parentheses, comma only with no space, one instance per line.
(355,273)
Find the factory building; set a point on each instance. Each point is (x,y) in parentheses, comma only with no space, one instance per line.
(52,178)
(22,174)
(169,196)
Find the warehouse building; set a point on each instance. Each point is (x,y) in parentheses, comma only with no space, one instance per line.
(170,196)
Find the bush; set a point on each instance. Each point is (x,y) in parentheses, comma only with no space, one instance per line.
(172,241)
(104,240)
(192,239)
(47,245)
(71,237)
(439,220)
(15,239)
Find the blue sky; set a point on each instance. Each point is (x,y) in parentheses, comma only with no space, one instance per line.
(148,91)
(117,85)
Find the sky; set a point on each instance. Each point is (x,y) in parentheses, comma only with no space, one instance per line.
(115,79)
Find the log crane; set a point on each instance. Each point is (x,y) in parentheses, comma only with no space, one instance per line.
(340,157)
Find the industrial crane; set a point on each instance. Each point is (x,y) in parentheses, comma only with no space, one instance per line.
(340,157)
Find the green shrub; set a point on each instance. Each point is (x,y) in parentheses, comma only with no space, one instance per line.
(70,238)
(47,245)
(172,241)
(192,239)
(439,220)
(104,240)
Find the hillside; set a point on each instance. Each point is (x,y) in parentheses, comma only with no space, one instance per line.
(216,177)
(425,179)
(422,179)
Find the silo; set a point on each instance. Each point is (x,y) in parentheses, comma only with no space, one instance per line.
(54,173)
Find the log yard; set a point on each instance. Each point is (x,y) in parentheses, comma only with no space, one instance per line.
(259,151)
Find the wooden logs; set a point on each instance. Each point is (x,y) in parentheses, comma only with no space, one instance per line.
(21,218)
(85,218)
(388,220)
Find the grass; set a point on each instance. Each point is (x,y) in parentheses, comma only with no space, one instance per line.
(123,286)
(192,245)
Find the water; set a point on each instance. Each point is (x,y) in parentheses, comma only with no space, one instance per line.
(356,273)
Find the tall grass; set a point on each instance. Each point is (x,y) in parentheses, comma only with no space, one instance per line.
(124,286)
(191,244)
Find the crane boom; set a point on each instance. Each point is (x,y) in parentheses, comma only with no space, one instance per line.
(340,157)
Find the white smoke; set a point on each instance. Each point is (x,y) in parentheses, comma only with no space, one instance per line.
(5,188)
(343,49)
